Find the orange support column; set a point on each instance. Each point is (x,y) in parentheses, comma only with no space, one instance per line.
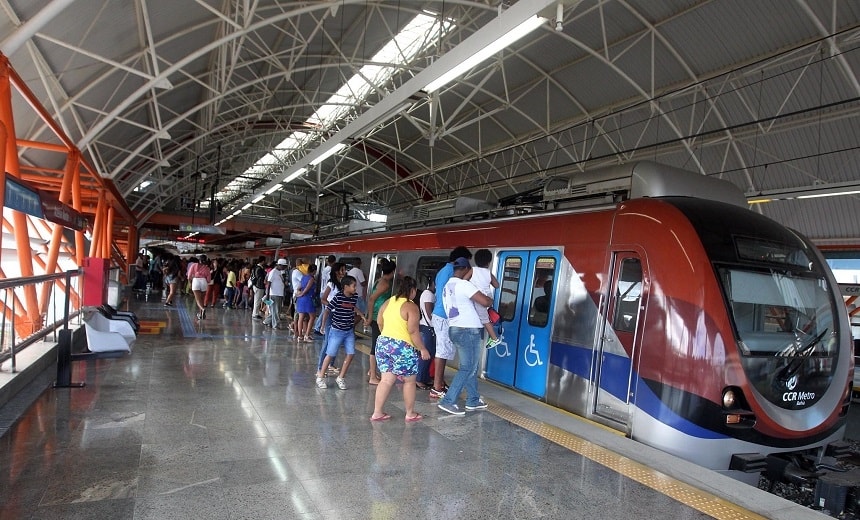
(3,135)
(78,205)
(72,160)
(98,227)
(108,233)
(29,319)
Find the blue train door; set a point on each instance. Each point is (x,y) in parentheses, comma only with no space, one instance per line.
(525,301)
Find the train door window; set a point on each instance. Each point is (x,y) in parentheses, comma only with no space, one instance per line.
(628,294)
(376,267)
(509,287)
(349,261)
(541,291)
(426,269)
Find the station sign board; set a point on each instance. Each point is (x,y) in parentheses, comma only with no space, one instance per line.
(201,228)
(24,198)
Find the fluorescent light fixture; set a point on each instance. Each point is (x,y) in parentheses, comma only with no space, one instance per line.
(246,206)
(236,212)
(422,33)
(815,191)
(143,185)
(328,153)
(502,42)
(274,188)
(257,199)
(833,194)
(295,174)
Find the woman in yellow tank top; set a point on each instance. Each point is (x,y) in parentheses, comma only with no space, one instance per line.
(398,347)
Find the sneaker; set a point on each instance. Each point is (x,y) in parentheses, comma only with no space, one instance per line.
(491,343)
(453,409)
(321,383)
(436,394)
(480,406)
(257,317)
(341,383)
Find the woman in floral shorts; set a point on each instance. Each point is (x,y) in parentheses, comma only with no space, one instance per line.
(398,347)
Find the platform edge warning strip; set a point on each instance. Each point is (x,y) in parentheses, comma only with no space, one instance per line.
(686,494)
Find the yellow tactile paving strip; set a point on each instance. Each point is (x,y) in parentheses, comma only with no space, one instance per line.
(684,493)
(151,327)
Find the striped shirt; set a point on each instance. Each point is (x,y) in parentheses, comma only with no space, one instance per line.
(342,310)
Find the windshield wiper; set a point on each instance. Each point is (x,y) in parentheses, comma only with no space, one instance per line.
(799,356)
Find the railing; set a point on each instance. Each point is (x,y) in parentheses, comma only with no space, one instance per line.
(19,331)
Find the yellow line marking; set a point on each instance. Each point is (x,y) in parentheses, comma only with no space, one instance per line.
(684,493)
(148,323)
(151,327)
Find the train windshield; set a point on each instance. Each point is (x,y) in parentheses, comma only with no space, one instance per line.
(781,314)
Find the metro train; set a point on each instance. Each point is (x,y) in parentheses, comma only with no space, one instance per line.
(691,324)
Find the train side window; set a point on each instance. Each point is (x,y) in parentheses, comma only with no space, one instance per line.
(349,261)
(542,285)
(628,294)
(509,287)
(426,269)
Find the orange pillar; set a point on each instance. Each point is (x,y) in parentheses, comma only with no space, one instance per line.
(29,319)
(77,203)
(3,136)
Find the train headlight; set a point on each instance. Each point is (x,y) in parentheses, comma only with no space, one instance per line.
(729,399)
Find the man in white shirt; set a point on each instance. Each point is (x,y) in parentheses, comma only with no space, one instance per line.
(275,289)
(465,329)
(360,284)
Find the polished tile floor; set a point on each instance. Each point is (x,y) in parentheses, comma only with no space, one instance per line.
(221,419)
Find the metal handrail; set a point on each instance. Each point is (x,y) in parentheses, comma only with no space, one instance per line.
(62,313)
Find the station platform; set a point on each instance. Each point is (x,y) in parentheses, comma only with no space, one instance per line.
(220,418)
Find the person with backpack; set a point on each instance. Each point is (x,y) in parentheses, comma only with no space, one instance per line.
(258,285)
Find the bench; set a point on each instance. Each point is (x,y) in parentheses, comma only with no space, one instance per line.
(105,335)
(88,342)
(112,314)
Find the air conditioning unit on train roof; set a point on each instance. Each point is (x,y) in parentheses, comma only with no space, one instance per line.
(350,227)
(447,210)
(638,179)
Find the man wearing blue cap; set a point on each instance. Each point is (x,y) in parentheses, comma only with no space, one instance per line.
(465,330)
(445,350)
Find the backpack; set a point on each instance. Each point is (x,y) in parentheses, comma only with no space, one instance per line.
(258,278)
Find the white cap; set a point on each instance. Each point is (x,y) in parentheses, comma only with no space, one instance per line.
(282,261)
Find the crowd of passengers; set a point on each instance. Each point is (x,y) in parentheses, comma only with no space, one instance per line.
(413,333)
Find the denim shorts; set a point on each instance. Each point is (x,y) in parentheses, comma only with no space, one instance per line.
(334,338)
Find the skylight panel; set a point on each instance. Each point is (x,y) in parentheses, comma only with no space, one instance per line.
(419,35)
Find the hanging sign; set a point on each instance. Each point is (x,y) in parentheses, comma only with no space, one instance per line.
(58,213)
(200,228)
(22,198)
(41,204)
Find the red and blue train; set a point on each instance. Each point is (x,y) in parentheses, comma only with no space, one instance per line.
(654,301)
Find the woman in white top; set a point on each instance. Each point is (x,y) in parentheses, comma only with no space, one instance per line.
(428,335)
(200,274)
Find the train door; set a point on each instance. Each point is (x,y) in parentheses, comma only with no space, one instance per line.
(525,300)
(376,268)
(620,339)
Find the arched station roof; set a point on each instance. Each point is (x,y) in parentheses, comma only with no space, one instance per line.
(177,101)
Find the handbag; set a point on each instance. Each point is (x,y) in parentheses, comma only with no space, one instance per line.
(494,316)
